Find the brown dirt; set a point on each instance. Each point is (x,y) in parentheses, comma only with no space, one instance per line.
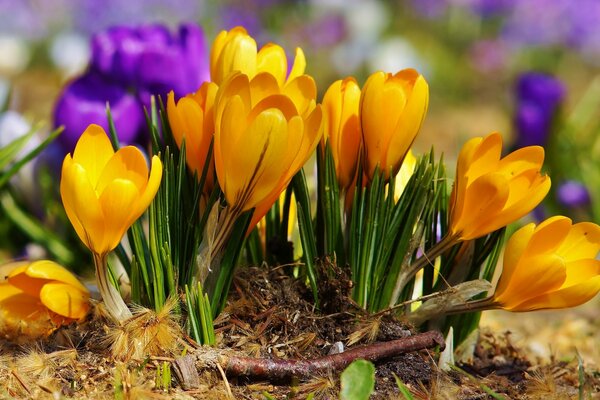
(270,314)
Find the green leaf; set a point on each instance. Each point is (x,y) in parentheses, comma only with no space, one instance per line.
(404,390)
(358,381)
(307,234)
(9,152)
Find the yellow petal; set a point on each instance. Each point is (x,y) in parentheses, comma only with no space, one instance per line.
(50,270)
(92,152)
(303,92)
(530,157)
(409,123)
(299,65)
(549,235)
(580,271)
(263,85)
(65,300)
(81,204)
(128,163)
(260,154)
(272,59)
(119,203)
(582,242)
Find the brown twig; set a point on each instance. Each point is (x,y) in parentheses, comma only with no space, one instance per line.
(282,370)
(279,369)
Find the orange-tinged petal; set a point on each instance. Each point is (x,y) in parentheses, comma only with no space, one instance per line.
(485,197)
(30,286)
(92,152)
(65,300)
(81,204)
(515,248)
(486,156)
(537,275)
(119,202)
(568,297)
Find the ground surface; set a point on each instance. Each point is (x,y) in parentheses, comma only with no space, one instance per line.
(270,315)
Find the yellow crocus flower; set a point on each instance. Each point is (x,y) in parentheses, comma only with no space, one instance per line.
(262,138)
(235,50)
(551,265)
(36,297)
(192,118)
(392,109)
(489,191)
(342,127)
(104,192)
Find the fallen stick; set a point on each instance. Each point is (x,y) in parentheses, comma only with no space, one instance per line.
(281,369)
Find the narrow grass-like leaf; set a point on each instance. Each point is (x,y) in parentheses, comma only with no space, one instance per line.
(307,234)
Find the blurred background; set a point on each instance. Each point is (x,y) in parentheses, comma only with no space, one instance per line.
(526,68)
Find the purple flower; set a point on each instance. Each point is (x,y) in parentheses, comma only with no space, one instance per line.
(573,194)
(538,98)
(150,58)
(83,102)
(129,65)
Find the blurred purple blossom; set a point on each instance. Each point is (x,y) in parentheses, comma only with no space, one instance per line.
(129,65)
(573,194)
(538,98)
(36,20)
(83,102)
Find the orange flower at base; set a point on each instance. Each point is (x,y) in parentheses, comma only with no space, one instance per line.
(342,127)
(37,297)
(104,192)
(490,192)
(392,109)
(552,265)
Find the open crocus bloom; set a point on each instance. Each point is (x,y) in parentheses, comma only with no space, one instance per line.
(552,265)
(36,297)
(235,50)
(263,136)
(490,192)
(104,191)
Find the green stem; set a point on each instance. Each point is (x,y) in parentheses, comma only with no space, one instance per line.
(406,274)
(113,301)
